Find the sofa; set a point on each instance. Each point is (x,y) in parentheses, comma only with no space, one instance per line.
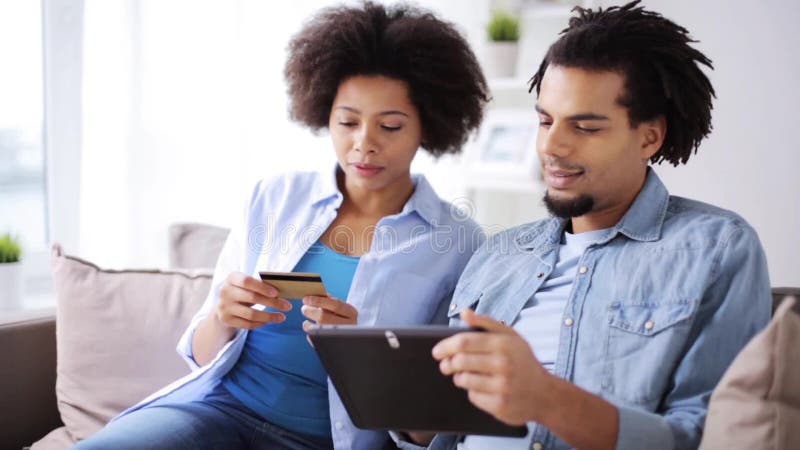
(65,374)
(96,361)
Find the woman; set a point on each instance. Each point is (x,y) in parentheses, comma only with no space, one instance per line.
(383,82)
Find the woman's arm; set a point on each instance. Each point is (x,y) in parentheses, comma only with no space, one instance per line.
(233,311)
(209,337)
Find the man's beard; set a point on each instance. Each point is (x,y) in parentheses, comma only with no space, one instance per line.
(569,208)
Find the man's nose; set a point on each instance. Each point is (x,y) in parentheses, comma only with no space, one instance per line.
(553,141)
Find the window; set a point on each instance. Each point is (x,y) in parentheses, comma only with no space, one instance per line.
(22,162)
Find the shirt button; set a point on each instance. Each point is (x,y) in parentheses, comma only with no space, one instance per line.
(583,269)
(569,322)
(339,425)
(649,325)
(453,307)
(539,275)
(537,446)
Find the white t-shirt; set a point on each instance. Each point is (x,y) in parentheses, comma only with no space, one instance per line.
(540,322)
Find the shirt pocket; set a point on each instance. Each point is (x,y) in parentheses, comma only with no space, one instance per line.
(408,299)
(644,342)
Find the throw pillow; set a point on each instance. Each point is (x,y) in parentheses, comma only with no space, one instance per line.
(757,402)
(116,334)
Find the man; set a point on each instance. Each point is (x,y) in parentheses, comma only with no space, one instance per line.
(627,306)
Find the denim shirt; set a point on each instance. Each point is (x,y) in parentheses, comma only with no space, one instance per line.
(659,308)
(406,278)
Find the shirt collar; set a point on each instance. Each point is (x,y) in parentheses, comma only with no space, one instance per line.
(645,217)
(424,200)
(327,188)
(643,220)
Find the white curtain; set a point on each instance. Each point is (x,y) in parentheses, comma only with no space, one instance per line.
(184,109)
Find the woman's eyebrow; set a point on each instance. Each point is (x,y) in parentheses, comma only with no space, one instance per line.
(393,111)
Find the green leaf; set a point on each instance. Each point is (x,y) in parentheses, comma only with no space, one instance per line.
(503,27)
(10,250)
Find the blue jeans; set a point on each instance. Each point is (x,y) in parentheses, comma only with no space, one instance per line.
(218,422)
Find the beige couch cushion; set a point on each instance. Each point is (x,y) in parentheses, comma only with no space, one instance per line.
(116,336)
(757,403)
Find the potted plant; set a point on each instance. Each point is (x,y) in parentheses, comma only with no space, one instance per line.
(10,272)
(503,34)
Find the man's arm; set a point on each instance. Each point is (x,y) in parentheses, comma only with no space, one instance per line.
(736,305)
(504,378)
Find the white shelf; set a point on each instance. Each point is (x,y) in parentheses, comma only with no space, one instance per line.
(508,199)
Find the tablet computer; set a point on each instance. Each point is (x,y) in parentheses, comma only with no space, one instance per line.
(388,380)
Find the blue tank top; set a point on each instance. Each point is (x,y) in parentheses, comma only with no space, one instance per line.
(278,374)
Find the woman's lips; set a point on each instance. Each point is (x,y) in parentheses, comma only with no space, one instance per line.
(561,179)
(366,170)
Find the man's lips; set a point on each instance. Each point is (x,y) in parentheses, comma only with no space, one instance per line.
(561,178)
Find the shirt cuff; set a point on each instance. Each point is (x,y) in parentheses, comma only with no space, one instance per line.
(640,429)
(184,347)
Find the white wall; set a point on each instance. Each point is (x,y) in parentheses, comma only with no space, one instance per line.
(751,162)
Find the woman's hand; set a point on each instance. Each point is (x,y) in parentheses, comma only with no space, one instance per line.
(421,437)
(233,311)
(327,311)
(239,293)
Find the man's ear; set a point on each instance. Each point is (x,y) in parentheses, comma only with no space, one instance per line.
(652,135)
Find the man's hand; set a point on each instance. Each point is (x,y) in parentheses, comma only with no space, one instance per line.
(497,368)
(504,378)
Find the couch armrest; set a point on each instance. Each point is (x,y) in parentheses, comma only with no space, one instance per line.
(28,405)
(780,294)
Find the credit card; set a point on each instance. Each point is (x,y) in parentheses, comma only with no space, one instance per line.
(295,284)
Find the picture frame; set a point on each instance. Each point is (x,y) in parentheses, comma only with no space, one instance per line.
(506,147)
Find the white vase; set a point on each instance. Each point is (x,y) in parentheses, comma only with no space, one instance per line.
(501,59)
(10,286)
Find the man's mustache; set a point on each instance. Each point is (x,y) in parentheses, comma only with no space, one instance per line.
(561,164)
